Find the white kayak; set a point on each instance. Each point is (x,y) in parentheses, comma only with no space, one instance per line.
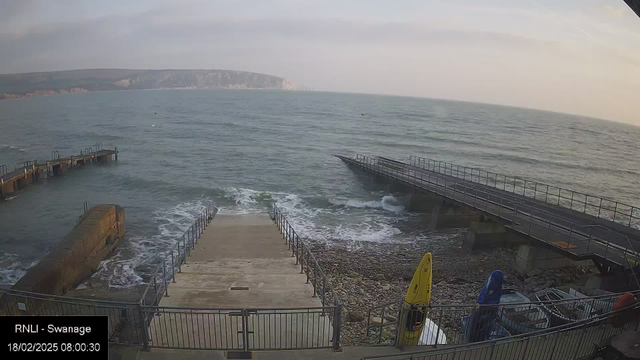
(428,335)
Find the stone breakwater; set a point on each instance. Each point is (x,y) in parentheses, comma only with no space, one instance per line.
(366,274)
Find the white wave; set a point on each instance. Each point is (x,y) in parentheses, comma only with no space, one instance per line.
(387,202)
(138,254)
(248,201)
(12,147)
(12,269)
(328,225)
(351,223)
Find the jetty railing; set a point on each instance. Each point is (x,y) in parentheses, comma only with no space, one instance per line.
(576,239)
(311,268)
(570,341)
(447,325)
(171,262)
(597,206)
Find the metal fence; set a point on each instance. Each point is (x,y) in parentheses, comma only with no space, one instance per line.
(310,267)
(145,323)
(446,325)
(126,320)
(171,262)
(608,209)
(567,342)
(243,329)
(578,240)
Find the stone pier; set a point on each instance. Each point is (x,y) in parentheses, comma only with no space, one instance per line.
(77,256)
(488,233)
(443,214)
(531,257)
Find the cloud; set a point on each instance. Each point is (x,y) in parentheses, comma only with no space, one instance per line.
(481,61)
(15,9)
(131,36)
(616,12)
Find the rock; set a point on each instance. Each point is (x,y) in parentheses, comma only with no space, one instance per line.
(407,277)
(442,283)
(355,317)
(388,335)
(390,318)
(375,321)
(528,280)
(472,295)
(380,277)
(534,272)
(386,287)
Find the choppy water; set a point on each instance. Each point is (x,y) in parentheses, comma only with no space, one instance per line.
(244,149)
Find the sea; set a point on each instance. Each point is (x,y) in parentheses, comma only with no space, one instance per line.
(242,150)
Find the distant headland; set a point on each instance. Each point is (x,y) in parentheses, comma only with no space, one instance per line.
(74,81)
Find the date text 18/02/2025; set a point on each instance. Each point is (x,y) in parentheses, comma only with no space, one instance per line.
(40,336)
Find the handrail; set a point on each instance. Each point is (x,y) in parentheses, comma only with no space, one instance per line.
(444,317)
(600,320)
(468,173)
(504,208)
(304,256)
(176,257)
(55,155)
(514,304)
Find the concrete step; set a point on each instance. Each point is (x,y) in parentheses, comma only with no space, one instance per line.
(242,221)
(226,281)
(201,297)
(245,266)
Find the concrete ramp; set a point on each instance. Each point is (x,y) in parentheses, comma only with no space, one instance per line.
(241,289)
(241,261)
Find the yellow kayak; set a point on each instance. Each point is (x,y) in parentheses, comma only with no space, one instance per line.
(416,301)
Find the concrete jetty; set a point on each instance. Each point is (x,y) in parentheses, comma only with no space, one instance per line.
(553,225)
(244,288)
(33,171)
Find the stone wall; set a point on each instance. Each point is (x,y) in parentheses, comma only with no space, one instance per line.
(78,255)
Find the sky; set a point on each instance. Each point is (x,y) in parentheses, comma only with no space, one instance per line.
(573,56)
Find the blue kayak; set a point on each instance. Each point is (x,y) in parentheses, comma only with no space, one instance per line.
(497,331)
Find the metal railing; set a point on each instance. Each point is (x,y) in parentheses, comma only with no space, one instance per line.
(460,324)
(600,207)
(567,342)
(145,323)
(311,268)
(243,329)
(55,156)
(126,320)
(580,240)
(135,324)
(171,262)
